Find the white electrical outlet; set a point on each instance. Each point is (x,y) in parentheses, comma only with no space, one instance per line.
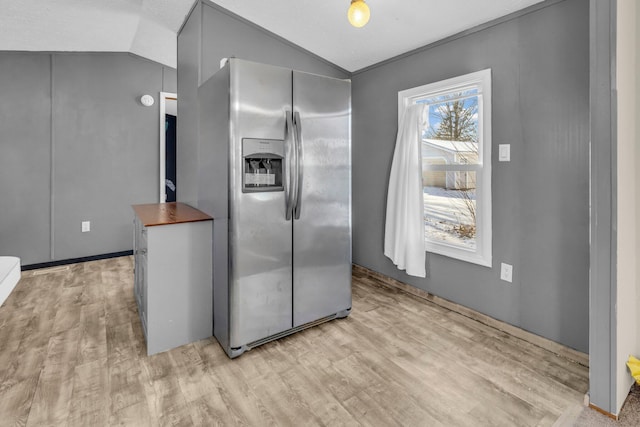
(506,272)
(504,152)
(86,226)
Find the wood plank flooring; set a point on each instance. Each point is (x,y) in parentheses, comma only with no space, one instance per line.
(72,352)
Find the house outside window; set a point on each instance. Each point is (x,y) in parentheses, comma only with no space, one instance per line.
(456,164)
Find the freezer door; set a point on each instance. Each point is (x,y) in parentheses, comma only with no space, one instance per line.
(260,237)
(322,228)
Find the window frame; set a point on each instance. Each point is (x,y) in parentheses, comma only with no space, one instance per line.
(481,80)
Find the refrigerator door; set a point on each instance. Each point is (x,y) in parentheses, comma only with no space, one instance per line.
(322,228)
(260,237)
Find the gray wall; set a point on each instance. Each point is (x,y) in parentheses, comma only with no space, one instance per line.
(76,145)
(25,156)
(189,51)
(225,35)
(603,257)
(210,34)
(540,72)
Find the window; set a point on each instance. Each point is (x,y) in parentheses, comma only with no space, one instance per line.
(456,164)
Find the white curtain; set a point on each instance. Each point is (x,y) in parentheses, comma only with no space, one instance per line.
(404,227)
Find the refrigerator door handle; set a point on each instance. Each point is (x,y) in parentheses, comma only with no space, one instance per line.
(297,126)
(290,172)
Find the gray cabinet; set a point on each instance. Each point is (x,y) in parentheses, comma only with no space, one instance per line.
(140,275)
(172,276)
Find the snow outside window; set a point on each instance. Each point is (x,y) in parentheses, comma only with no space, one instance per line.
(456,164)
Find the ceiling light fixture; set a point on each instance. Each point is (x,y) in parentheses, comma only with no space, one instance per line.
(358,13)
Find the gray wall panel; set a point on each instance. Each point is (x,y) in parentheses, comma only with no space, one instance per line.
(603,290)
(540,75)
(88,148)
(187,132)
(225,36)
(25,122)
(106,149)
(554,173)
(169,80)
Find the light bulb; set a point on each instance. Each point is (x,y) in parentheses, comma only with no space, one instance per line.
(358,13)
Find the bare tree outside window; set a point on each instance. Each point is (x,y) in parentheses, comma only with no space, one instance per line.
(457,120)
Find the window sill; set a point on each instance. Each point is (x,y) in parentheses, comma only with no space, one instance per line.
(458,253)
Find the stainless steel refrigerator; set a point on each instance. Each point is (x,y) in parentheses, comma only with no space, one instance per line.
(275,174)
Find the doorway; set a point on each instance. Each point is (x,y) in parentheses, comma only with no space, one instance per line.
(168,123)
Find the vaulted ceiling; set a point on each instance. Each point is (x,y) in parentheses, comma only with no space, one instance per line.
(145,27)
(148,27)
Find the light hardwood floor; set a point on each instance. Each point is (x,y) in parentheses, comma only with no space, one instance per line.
(72,353)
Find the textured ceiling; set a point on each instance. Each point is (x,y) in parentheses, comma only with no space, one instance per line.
(145,27)
(395,27)
(148,27)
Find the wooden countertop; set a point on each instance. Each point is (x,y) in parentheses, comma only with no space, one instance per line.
(168,213)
